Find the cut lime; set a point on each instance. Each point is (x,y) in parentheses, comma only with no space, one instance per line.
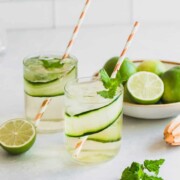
(145,87)
(17,136)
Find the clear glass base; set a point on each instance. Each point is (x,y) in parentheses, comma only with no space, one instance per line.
(52,120)
(93,152)
(51,126)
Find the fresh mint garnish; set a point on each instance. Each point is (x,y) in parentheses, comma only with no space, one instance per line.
(111,84)
(54,63)
(153,166)
(149,170)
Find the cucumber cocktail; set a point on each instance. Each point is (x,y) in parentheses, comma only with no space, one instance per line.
(45,76)
(89,114)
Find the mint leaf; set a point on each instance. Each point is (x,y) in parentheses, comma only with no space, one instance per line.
(153,165)
(55,63)
(129,175)
(146,177)
(108,94)
(105,78)
(138,171)
(134,172)
(111,84)
(120,78)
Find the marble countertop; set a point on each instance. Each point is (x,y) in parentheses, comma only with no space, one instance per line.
(142,139)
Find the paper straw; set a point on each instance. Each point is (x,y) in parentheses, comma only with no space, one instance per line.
(126,47)
(66,54)
(41,111)
(76,29)
(79,145)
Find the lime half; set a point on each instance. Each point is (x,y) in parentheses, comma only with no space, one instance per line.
(17,136)
(145,87)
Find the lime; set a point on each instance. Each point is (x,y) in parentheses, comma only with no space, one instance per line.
(145,87)
(171,79)
(154,66)
(127,68)
(127,96)
(110,64)
(17,136)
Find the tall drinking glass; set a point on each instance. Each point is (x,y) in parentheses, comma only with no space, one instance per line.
(45,76)
(99,119)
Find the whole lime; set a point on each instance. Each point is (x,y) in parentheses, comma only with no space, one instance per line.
(127,96)
(127,68)
(110,64)
(171,79)
(154,66)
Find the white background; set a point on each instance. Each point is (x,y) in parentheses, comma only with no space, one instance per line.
(18,14)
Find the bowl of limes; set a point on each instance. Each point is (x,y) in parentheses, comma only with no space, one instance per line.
(151,87)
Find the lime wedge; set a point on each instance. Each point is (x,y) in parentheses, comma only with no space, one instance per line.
(17,136)
(145,87)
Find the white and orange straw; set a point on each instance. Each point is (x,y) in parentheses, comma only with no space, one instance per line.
(41,111)
(79,145)
(76,29)
(126,47)
(66,54)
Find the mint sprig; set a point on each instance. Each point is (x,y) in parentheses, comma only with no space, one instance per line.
(153,166)
(110,84)
(149,170)
(54,63)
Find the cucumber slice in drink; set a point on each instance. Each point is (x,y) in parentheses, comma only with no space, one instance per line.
(48,89)
(93,121)
(110,134)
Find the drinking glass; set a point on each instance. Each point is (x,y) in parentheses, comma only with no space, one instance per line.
(45,76)
(94,118)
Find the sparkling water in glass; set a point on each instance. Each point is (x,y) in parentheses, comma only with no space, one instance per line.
(90,115)
(45,77)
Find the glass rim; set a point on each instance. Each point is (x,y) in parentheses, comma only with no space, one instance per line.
(92,78)
(51,54)
(48,54)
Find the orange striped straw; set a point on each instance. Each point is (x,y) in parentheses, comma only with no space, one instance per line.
(41,111)
(66,54)
(79,145)
(76,29)
(126,47)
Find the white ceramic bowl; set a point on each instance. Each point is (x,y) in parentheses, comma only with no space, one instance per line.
(155,111)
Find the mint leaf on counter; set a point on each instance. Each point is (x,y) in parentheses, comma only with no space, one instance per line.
(111,84)
(147,177)
(134,172)
(153,165)
(139,171)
